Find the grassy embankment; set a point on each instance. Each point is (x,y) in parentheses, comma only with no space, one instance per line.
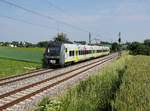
(93,94)
(15,61)
(134,93)
(121,86)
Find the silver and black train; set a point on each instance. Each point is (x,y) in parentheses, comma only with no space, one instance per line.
(64,53)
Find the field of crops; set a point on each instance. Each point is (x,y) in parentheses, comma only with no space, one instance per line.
(22,54)
(134,93)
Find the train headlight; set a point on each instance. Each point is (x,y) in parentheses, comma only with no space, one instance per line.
(48,50)
(53,61)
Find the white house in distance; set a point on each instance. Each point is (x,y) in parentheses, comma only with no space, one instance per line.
(11,45)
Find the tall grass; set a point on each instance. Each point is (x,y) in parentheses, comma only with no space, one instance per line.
(93,94)
(134,93)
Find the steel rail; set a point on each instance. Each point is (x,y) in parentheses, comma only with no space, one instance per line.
(18,79)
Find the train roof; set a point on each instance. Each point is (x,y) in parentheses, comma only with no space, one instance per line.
(77,45)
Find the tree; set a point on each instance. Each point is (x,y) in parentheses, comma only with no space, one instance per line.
(21,44)
(5,43)
(139,48)
(133,47)
(115,47)
(147,42)
(61,37)
(15,43)
(28,44)
(1,43)
(42,44)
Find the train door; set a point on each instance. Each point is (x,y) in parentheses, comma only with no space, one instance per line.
(76,55)
(66,53)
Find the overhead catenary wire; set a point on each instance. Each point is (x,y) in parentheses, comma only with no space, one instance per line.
(43,15)
(59,8)
(63,11)
(26,22)
(56,7)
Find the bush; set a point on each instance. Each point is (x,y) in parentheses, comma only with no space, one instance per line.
(139,48)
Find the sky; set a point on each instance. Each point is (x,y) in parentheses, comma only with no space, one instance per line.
(103,18)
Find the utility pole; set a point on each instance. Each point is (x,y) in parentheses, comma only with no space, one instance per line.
(89,38)
(119,40)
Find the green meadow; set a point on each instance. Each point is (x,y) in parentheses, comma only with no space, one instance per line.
(15,61)
(13,67)
(22,54)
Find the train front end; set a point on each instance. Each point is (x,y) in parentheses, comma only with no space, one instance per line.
(54,54)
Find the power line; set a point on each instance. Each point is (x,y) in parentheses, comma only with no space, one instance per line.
(59,9)
(56,7)
(27,22)
(42,15)
(63,11)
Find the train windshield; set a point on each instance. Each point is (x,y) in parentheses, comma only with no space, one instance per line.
(54,49)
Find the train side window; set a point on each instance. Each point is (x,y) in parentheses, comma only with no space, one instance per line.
(71,53)
(66,50)
(79,52)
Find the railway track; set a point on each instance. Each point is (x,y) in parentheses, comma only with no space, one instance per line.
(20,80)
(8,80)
(11,79)
(22,93)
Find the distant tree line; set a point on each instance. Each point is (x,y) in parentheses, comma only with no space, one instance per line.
(136,48)
(62,37)
(17,44)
